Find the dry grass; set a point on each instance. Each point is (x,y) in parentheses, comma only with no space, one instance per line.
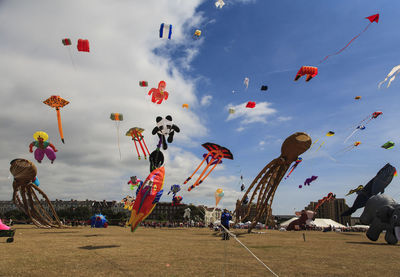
(192,252)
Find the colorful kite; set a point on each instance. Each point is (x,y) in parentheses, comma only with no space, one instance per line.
(329,134)
(185,106)
(143,83)
(296,163)
(137,136)
(329,197)
(219,193)
(197,34)
(214,157)
(117,117)
(42,147)
(128,202)
(350,147)
(134,182)
(308,181)
(360,127)
(83,45)
(310,71)
(174,189)
(57,102)
(147,197)
(159,94)
(251,105)
(357,189)
(388,145)
(165,30)
(372,18)
(176,200)
(392,75)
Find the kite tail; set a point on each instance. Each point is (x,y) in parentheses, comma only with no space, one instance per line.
(119,149)
(350,135)
(338,52)
(320,146)
(313,144)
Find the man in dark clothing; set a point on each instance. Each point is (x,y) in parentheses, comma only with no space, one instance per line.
(225,217)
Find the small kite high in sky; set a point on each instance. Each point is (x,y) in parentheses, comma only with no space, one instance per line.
(372,18)
(197,34)
(165,30)
(329,134)
(310,71)
(117,117)
(214,157)
(246,82)
(83,45)
(219,4)
(388,145)
(57,102)
(392,75)
(251,105)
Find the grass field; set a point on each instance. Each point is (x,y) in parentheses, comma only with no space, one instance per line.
(115,251)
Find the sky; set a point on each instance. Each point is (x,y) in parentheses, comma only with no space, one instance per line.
(266,41)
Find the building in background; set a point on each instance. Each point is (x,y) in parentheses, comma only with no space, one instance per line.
(332,209)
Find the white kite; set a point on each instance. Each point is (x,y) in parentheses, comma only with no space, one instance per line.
(246,82)
(391,75)
(219,4)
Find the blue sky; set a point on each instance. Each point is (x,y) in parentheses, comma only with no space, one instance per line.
(263,40)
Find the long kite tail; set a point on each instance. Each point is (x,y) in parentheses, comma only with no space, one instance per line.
(320,146)
(119,149)
(352,133)
(338,52)
(60,125)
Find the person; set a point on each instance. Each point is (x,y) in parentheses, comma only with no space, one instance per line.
(225,217)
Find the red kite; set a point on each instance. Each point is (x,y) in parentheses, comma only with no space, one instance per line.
(83,45)
(310,71)
(251,105)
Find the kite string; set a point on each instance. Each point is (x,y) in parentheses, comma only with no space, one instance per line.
(119,149)
(70,56)
(346,44)
(231,234)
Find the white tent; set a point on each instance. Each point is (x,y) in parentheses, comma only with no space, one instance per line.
(318,222)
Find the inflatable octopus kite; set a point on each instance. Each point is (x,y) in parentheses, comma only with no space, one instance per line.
(267,181)
(25,195)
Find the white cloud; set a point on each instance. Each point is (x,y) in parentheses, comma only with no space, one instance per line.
(206,100)
(258,114)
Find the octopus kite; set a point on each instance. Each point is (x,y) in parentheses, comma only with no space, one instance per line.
(214,157)
(25,195)
(310,71)
(136,134)
(267,181)
(43,147)
(159,94)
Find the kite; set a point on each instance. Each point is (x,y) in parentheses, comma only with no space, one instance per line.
(219,193)
(134,181)
(376,185)
(231,110)
(392,75)
(143,83)
(388,145)
(117,117)
(185,106)
(128,202)
(57,102)
(350,147)
(372,18)
(26,195)
(219,4)
(176,200)
(165,127)
(310,71)
(174,189)
(357,97)
(242,187)
(165,30)
(360,127)
(329,197)
(357,189)
(296,163)
(83,45)
(42,147)
(267,181)
(147,196)
(329,134)
(98,221)
(264,87)
(159,94)
(251,105)
(246,82)
(136,134)
(365,121)
(214,157)
(197,34)
(67,42)
(308,181)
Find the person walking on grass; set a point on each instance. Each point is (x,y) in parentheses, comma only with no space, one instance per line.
(225,217)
